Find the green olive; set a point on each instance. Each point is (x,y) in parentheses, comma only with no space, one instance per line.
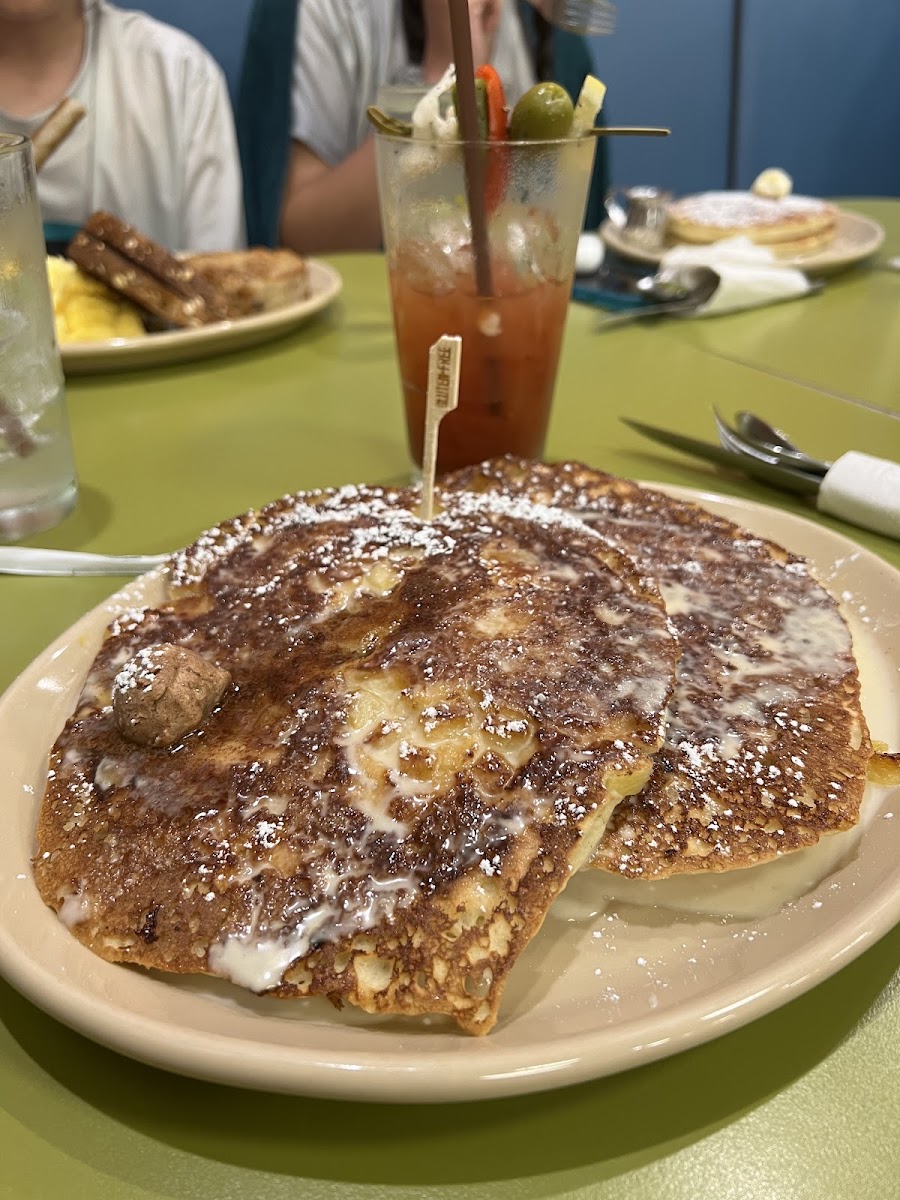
(545,112)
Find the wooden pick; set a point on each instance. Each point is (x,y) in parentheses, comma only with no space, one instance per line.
(633,130)
(56,129)
(442,397)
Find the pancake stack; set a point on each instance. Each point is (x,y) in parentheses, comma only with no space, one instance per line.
(359,756)
(788,225)
(417,733)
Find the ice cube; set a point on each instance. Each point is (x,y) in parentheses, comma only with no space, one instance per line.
(11,325)
(528,241)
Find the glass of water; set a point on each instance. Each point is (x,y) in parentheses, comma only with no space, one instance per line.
(37,471)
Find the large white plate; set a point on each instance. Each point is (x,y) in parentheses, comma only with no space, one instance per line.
(591,996)
(856,238)
(183,345)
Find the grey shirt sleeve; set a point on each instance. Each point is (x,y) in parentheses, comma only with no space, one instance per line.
(326,94)
(346,49)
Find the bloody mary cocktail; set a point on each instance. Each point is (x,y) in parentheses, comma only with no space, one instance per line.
(511,337)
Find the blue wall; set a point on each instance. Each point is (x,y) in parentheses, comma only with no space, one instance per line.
(668,63)
(818,93)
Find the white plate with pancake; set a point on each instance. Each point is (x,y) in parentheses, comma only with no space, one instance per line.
(855,238)
(602,988)
(205,341)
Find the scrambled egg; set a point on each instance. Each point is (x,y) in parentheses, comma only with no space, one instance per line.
(85,309)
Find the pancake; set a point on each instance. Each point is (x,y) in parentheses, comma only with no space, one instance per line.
(800,246)
(417,733)
(801,221)
(766,746)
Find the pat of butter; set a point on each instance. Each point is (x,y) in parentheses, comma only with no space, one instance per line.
(773,184)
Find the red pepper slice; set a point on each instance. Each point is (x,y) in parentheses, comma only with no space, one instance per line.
(497,119)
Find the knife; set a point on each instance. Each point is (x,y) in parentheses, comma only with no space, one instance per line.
(858,488)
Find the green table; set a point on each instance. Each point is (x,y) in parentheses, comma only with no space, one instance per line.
(803,1104)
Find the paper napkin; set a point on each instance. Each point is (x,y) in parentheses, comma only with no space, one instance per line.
(749,275)
(863,490)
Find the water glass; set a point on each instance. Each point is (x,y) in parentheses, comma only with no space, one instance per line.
(37,471)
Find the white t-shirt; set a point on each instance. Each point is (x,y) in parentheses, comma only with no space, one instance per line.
(157,147)
(347,49)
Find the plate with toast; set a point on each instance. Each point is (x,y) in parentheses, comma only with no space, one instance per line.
(122,300)
(320,882)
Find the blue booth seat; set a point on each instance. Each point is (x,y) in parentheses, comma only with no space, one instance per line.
(263,114)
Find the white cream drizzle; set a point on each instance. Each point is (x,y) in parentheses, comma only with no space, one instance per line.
(75,908)
(258,957)
(365,794)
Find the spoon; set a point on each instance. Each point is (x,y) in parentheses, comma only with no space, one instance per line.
(679,283)
(30,560)
(677,291)
(767,437)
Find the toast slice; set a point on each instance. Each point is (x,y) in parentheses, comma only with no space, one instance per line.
(255,280)
(131,263)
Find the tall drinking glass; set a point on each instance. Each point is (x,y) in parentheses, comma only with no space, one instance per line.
(37,472)
(534,199)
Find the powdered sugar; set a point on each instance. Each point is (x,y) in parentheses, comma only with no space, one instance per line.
(140,671)
(744,209)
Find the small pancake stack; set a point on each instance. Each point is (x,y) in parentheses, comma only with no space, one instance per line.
(788,225)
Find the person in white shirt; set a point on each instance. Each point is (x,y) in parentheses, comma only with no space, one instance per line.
(157,147)
(346,50)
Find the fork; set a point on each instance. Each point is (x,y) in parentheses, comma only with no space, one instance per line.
(754,429)
(581,16)
(795,460)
